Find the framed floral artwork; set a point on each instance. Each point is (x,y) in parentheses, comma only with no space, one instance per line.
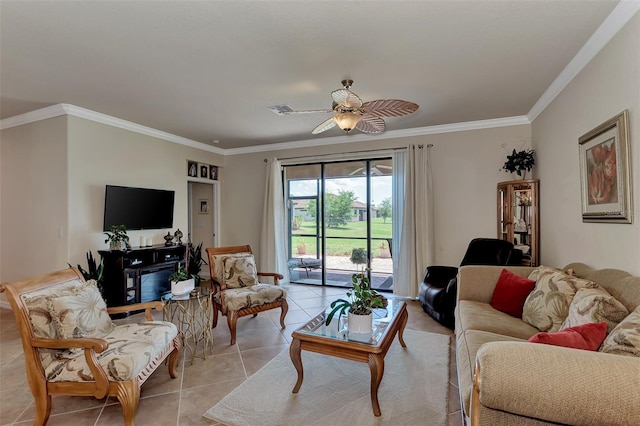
(605,174)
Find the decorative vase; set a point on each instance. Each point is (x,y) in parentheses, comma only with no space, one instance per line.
(115,246)
(361,324)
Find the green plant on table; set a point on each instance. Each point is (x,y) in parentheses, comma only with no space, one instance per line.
(116,236)
(180,275)
(363,299)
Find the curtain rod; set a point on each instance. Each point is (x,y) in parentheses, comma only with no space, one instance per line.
(347,153)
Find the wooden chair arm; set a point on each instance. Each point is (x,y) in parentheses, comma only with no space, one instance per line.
(98,345)
(276,277)
(91,346)
(147,306)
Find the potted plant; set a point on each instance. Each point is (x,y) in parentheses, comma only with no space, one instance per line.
(385,253)
(94,271)
(520,162)
(359,256)
(362,301)
(301,246)
(181,282)
(194,264)
(116,236)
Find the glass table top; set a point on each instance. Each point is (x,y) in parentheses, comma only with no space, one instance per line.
(338,328)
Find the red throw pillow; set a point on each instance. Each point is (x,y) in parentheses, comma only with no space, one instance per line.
(585,336)
(510,293)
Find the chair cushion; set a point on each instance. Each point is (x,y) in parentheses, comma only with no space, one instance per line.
(547,306)
(36,303)
(588,337)
(42,323)
(625,338)
(218,263)
(255,295)
(510,293)
(594,305)
(240,271)
(131,348)
(80,313)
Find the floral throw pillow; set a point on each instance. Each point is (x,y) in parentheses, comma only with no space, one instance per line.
(240,271)
(81,313)
(625,338)
(594,305)
(218,263)
(547,306)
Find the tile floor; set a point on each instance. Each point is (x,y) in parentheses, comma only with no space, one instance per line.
(182,401)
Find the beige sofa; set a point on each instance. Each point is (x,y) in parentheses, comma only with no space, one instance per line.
(531,384)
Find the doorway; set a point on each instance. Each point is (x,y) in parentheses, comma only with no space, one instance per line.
(203,214)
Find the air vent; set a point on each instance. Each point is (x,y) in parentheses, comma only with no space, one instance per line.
(281,109)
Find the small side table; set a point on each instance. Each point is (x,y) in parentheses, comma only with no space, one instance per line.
(192,317)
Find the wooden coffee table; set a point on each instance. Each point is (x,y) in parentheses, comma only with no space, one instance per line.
(314,336)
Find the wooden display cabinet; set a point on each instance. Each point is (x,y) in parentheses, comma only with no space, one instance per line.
(518,217)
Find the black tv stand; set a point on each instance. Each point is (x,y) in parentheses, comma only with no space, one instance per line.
(141,274)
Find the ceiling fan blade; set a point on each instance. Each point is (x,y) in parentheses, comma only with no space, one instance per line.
(324,126)
(356,171)
(346,98)
(306,111)
(370,124)
(389,107)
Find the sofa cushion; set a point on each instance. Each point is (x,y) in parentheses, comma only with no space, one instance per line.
(467,345)
(591,305)
(585,336)
(547,306)
(131,348)
(80,313)
(510,293)
(472,315)
(625,338)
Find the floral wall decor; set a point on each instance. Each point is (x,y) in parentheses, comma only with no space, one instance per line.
(605,175)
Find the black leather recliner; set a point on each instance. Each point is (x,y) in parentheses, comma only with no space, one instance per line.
(439,285)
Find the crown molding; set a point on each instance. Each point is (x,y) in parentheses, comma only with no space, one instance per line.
(617,19)
(33,116)
(75,111)
(392,134)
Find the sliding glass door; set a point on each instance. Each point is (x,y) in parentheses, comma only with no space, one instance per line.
(340,222)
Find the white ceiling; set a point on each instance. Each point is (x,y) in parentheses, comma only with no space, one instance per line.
(206,70)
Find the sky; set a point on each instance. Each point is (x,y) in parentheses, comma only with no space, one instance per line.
(381,187)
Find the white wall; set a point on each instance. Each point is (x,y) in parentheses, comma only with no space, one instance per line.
(100,154)
(33,190)
(465,172)
(53,176)
(609,84)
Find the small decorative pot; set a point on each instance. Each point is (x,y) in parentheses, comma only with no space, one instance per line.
(360,324)
(113,246)
(182,287)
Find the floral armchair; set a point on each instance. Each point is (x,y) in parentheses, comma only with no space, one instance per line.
(236,288)
(71,347)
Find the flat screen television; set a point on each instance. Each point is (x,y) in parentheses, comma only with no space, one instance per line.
(138,208)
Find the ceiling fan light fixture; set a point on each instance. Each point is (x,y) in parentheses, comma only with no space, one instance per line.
(347,120)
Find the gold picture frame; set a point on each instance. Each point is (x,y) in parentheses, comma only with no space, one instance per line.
(605,172)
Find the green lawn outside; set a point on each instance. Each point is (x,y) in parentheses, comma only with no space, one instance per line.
(343,247)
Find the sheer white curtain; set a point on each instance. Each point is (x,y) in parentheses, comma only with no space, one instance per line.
(273,248)
(413,205)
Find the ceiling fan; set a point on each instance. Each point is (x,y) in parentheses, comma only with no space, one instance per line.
(351,112)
